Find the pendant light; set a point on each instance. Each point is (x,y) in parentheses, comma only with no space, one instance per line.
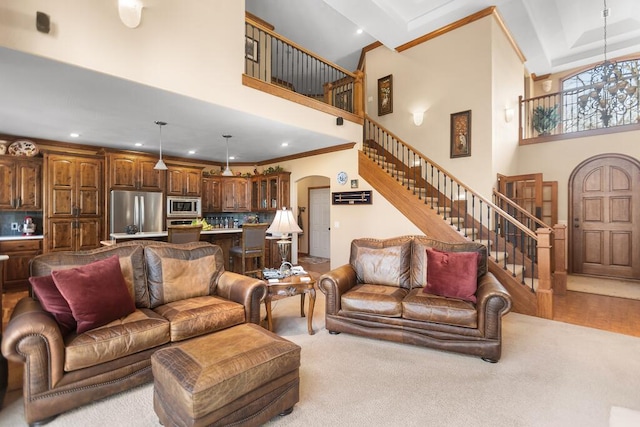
(160,165)
(227,171)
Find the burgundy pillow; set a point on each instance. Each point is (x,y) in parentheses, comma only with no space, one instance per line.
(96,293)
(52,301)
(452,274)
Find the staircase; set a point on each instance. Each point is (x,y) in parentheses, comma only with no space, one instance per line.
(446,209)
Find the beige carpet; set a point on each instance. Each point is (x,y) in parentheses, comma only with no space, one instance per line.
(602,286)
(551,374)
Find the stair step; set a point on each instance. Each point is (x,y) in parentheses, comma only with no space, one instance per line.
(458,221)
(441,210)
(499,257)
(386,166)
(404,181)
(518,269)
(487,243)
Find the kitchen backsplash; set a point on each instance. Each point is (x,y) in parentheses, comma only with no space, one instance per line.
(9,217)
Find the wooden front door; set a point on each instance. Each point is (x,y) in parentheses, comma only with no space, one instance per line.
(604,206)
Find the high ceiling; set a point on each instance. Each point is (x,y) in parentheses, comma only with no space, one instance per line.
(45,99)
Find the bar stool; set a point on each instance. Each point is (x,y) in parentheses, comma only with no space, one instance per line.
(251,253)
(183,233)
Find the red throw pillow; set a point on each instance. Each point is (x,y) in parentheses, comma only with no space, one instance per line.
(96,293)
(52,301)
(452,274)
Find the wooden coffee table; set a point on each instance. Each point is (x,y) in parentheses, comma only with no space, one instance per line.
(289,287)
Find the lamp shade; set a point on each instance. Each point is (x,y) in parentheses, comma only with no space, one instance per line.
(160,166)
(284,223)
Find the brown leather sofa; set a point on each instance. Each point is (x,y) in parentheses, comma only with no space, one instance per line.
(64,372)
(380,294)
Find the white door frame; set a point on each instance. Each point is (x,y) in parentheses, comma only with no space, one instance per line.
(319,222)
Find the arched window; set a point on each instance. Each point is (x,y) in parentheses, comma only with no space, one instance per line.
(601,97)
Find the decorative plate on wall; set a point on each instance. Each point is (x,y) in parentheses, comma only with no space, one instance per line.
(342,178)
(23,147)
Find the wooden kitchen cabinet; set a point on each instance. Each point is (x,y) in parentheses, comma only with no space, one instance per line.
(236,195)
(16,268)
(280,183)
(270,192)
(75,208)
(211,194)
(129,171)
(259,193)
(73,234)
(20,183)
(184,181)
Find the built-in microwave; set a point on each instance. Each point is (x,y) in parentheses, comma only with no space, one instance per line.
(182,207)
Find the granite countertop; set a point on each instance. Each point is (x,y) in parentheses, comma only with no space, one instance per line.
(21,237)
(144,234)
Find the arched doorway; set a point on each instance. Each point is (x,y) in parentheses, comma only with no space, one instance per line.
(604,202)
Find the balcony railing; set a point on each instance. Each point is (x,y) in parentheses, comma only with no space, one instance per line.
(273,59)
(568,114)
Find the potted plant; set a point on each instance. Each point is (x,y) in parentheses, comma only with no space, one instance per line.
(545,119)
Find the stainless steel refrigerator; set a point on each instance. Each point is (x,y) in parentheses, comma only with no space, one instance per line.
(143,209)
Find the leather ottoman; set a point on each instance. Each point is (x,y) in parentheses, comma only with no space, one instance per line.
(244,375)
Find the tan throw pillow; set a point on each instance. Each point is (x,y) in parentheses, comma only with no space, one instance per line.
(382,261)
(177,272)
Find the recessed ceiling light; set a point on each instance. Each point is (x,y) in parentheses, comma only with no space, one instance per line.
(359,31)
(232,157)
(192,151)
(138,144)
(285,144)
(74,135)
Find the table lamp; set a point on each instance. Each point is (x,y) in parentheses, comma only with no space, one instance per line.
(284,223)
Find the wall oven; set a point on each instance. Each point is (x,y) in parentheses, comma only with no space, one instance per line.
(184,207)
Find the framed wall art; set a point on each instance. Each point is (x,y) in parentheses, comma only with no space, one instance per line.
(251,49)
(385,95)
(461,134)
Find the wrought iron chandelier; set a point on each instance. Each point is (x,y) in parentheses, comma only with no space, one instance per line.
(612,91)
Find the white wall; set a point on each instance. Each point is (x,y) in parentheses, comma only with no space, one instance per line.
(175,49)
(445,75)
(507,85)
(193,48)
(378,220)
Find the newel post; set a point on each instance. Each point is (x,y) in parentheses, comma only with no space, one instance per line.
(544,292)
(559,253)
(358,94)
(328,93)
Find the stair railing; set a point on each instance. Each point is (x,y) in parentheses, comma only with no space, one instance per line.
(515,210)
(471,214)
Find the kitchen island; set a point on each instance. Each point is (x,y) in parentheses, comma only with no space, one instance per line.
(223,237)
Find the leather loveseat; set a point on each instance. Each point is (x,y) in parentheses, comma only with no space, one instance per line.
(179,291)
(385,292)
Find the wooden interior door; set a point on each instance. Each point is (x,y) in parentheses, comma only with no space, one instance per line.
(524,190)
(604,232)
